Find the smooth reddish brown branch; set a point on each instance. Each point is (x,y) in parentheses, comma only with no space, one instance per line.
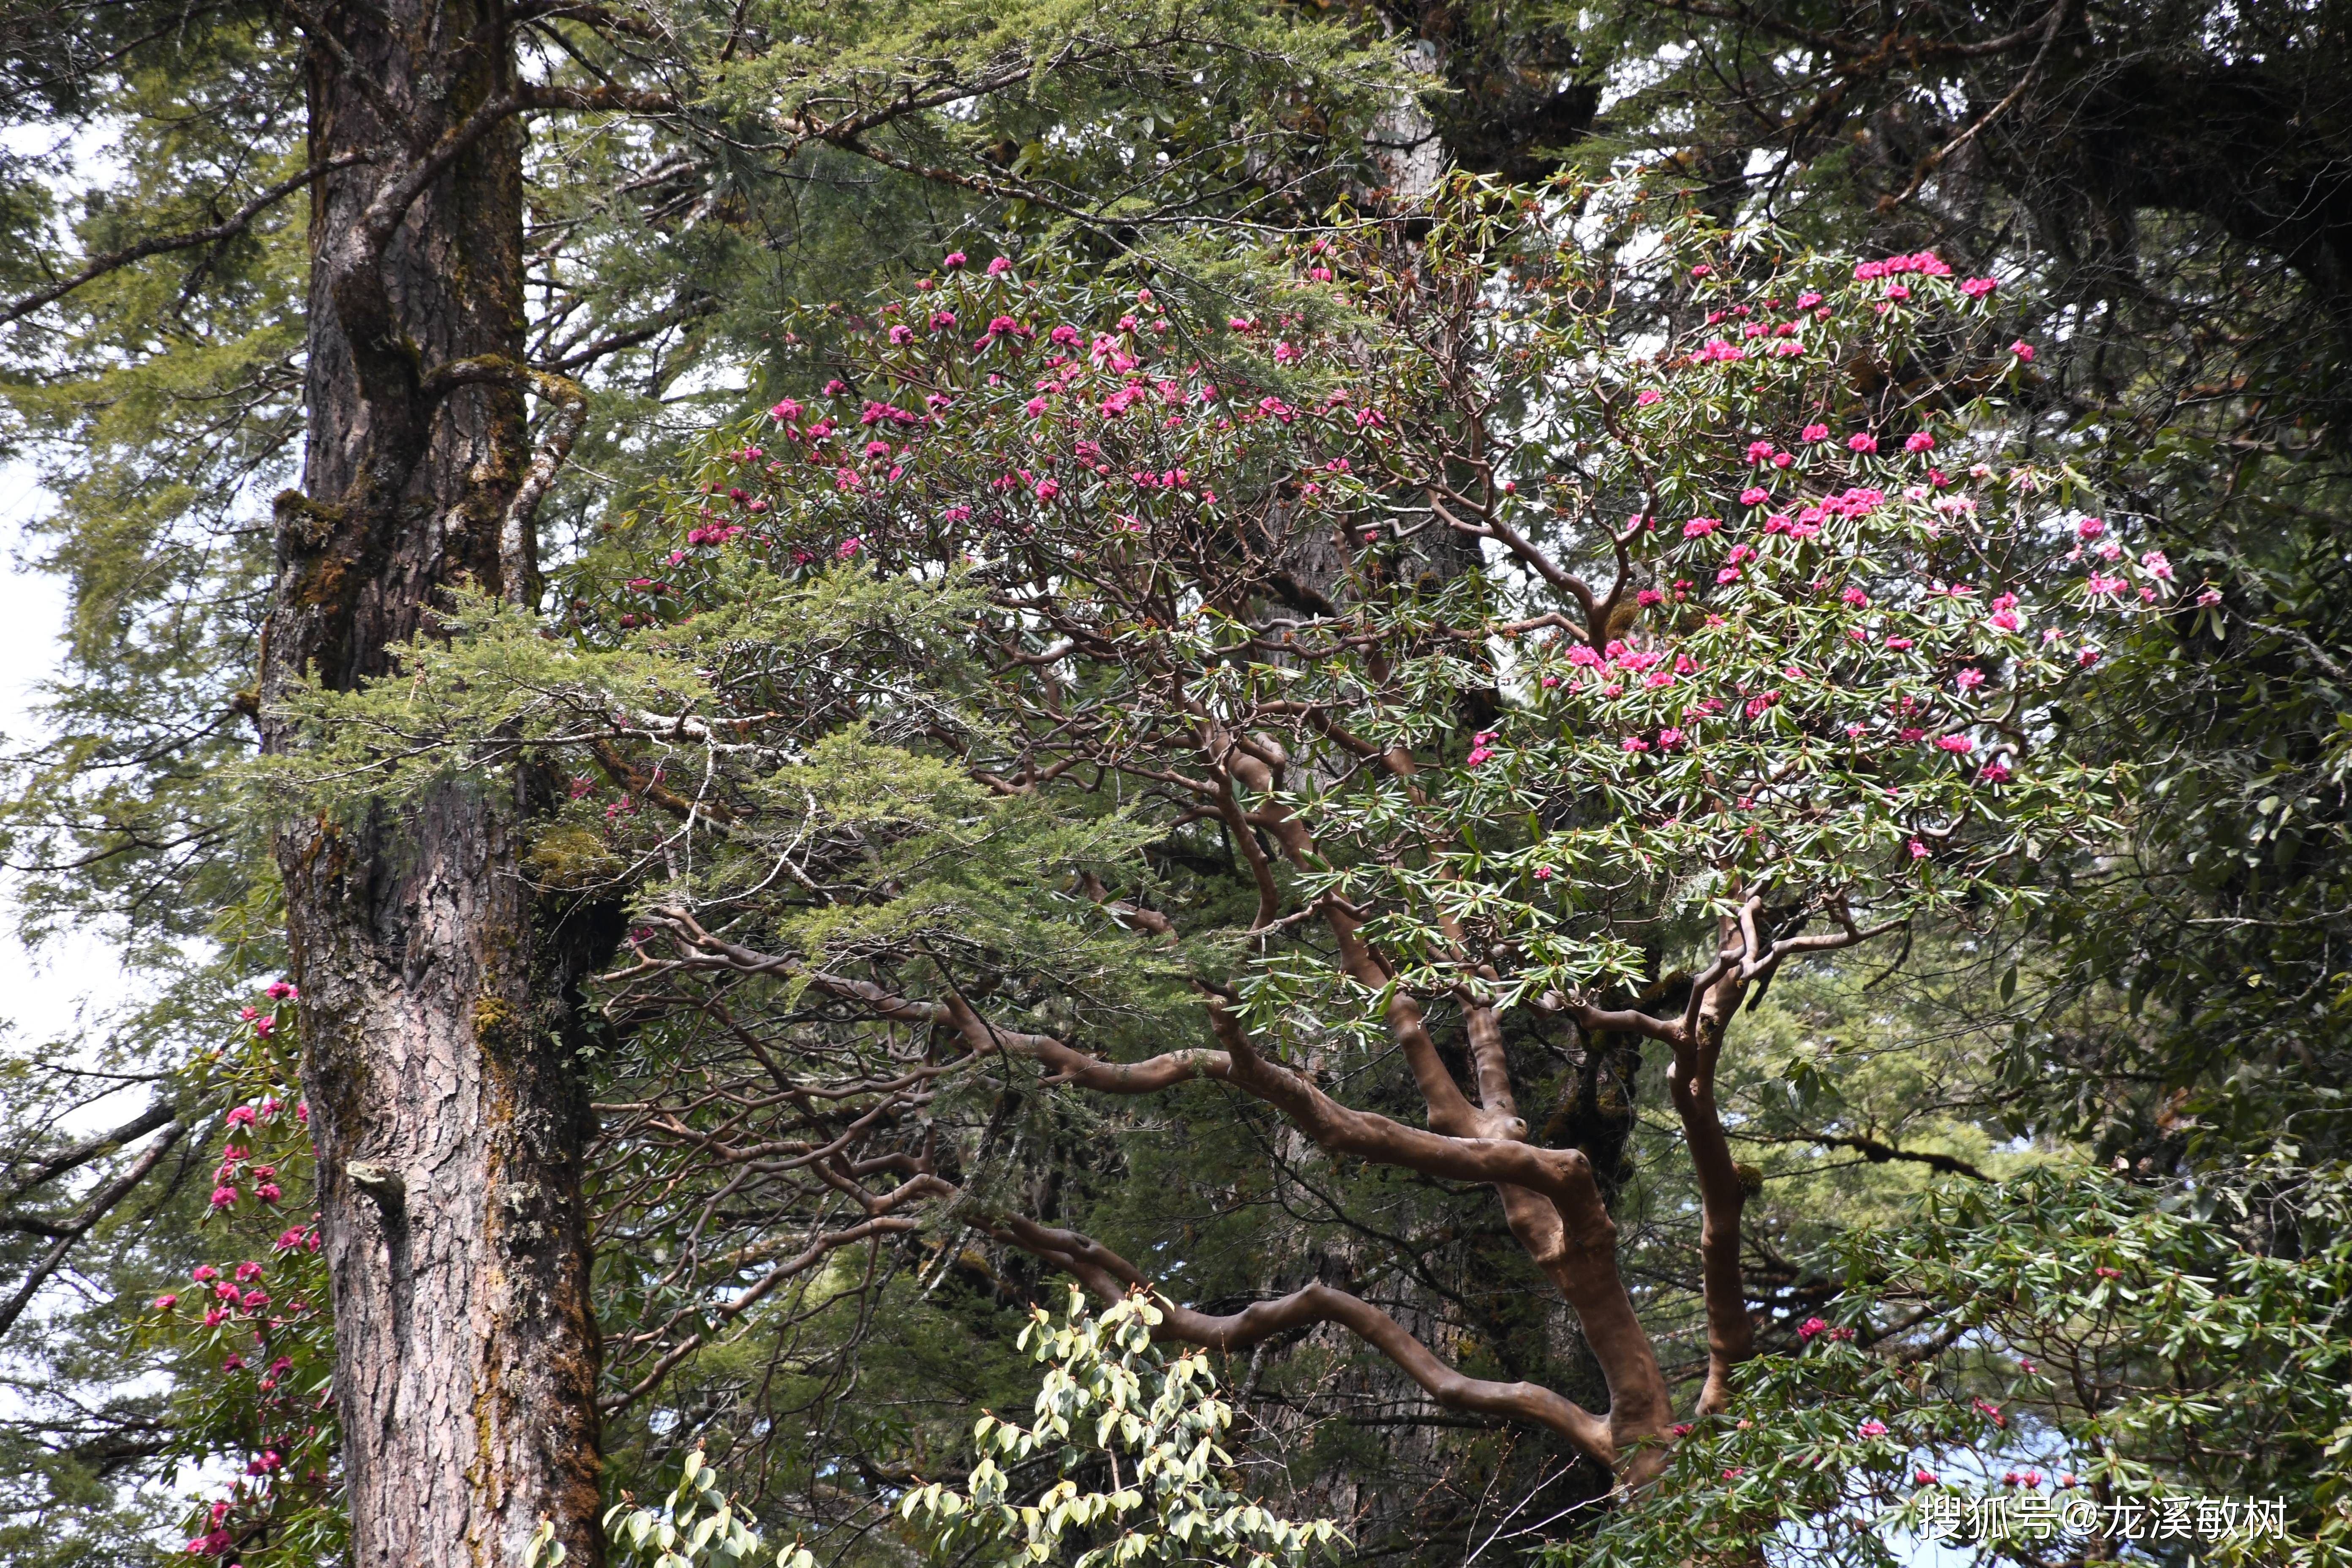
(1109,1276)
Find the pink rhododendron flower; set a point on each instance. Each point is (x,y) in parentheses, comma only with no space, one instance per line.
(2022,350)
(1918,850)
(1873,1429)
(1919,441)
(1699,526)
(999,266)
(1811,1327)
(165,1303)
(1752,496)
(955,258)
(1862,441)
(1646,396)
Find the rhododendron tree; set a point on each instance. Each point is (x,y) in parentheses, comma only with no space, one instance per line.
(1356,703)
(2026,1424)
(250,1329)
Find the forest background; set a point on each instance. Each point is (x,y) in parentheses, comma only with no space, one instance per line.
(2163,191)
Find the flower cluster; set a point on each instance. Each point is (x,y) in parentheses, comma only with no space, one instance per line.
(254,1325)
(1071,410)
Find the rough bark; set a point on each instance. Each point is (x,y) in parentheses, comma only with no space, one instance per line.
(449,1123)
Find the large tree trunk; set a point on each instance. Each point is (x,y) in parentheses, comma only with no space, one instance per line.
(449,1123)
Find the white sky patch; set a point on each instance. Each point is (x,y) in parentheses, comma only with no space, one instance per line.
(46,996)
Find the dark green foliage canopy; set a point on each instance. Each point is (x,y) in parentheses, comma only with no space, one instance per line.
(2162,191)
